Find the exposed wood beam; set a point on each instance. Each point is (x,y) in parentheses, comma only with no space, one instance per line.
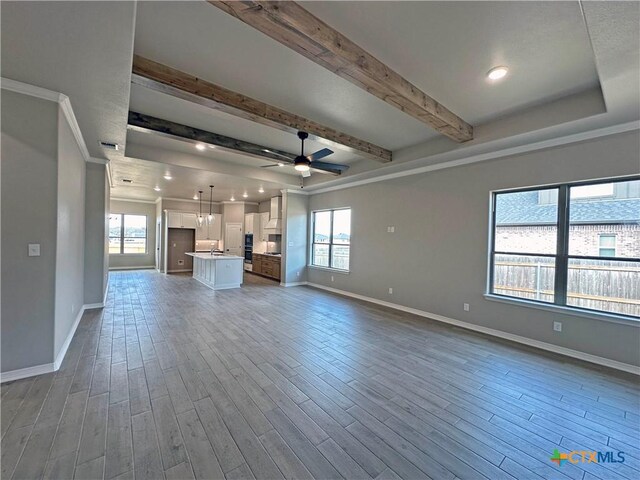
(293,26)
(168,80)
(140,122)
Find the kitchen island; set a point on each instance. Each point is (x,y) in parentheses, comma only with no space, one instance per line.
(217,271)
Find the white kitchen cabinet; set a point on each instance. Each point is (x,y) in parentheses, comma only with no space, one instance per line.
(189,220)
(264,233)
(252,224)
(209,232)
(181,220)
(215,230)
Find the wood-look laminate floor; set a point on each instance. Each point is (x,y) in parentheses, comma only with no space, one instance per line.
(173,380)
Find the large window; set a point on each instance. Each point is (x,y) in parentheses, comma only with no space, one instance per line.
(331,239)
(575,245)
(127,234)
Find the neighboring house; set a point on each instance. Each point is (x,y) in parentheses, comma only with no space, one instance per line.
(604,223)
(601,226)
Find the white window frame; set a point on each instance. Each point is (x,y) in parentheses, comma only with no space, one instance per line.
(122,237)
(562,256)
(330,244)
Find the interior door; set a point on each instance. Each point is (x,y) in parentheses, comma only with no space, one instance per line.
(233,239)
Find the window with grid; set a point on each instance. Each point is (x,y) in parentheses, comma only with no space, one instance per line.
(331,246)
(574,245)
(127,234)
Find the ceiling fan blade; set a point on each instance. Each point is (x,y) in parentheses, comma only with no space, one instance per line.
(325,152)
(274,165)
(329,167)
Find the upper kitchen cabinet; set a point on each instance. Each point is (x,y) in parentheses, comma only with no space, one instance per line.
(210,232)
(252,223)
(274,225)
(264,233)
(181,220)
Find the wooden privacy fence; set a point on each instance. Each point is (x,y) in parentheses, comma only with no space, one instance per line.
(596,284)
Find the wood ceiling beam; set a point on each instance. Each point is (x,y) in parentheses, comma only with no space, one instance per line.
(293,26)
(173,82)
(140,122)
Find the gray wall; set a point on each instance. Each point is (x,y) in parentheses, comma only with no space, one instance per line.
(96,225)
(437,258)
(146,260)
(295,213)
(70,233)
(29,198)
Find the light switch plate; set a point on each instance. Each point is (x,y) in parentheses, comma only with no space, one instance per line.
(34,249)
(291,244)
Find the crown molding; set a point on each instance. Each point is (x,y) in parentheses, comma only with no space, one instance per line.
(132,200)
(296,192)
(520,149)
(61,99)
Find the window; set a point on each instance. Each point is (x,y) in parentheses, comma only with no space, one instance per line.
(127,234)
(575,245)
(607,245)
(331,239)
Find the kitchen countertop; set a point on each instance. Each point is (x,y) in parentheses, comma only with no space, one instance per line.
(217,256)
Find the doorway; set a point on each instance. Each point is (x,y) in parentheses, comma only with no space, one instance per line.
(233,239)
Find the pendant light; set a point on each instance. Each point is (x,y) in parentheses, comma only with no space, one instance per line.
(210,217)
(200,217)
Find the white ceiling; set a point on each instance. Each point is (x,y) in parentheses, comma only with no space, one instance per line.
(151,102)
(84,49)
(81,49)
(185,182)
(446,49)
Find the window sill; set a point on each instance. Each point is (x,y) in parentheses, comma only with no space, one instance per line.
(607,317)
(328,269)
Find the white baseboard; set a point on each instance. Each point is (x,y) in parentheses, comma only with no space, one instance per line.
(293,284)
(106,291)
(144,267)
(67,342)
(587,357)
(91,306)
(26,372)
(184,270)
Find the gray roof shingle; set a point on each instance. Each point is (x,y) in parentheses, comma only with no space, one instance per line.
(521,208)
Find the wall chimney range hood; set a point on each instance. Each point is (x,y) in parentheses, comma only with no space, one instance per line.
(274,215)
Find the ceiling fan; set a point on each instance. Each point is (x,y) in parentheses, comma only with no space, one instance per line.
(303,163)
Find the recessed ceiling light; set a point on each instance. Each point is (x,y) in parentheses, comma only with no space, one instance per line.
(195,197)
(496,73)
(200,146)
(280,164)
(261,190)
(232,199)
(212,146)
(168,177)
(157,188)
(245,195)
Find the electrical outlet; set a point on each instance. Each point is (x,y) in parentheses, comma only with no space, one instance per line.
(390,291)
(557,326)
(297,274)
(332,278)
(466,307)
(391,229)
(34,249)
